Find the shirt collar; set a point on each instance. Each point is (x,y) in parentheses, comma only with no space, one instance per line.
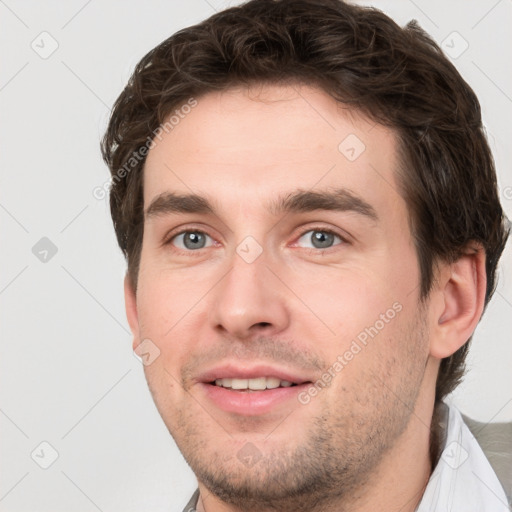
(463,479)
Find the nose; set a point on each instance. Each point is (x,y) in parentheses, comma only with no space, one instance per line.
(249,300)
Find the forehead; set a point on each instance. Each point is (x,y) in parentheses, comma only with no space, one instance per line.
(243,145)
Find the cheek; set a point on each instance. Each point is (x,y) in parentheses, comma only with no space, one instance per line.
(165,300)
(346,300)
(369,318)
(382,364)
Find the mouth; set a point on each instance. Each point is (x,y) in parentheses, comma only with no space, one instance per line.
(254,392)
(252,385)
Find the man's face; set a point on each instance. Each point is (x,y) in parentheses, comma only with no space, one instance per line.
(250,291)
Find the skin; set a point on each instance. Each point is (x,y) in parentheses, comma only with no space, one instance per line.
(362,443)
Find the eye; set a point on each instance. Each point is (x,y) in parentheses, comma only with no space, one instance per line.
(193,240)
(320,238)
(190,240)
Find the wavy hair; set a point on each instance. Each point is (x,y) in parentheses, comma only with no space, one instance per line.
(398,77)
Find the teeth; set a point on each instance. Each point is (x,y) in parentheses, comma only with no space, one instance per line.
(239,383)
(257,384)
(272,383)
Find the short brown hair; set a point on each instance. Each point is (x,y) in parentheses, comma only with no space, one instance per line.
(397,76)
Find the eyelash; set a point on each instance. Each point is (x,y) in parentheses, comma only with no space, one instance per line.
(309,250)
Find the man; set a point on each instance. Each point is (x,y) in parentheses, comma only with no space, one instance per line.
(309,210)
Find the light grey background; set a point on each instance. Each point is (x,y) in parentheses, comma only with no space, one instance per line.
(69,377)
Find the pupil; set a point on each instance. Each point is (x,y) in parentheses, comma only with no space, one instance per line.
(322,238)
(193,240)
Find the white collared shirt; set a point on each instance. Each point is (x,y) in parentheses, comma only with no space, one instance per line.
(463,479)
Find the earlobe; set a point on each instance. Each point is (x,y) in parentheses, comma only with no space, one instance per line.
(460,298)
(130,302)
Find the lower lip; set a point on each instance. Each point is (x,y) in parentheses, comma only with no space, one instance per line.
(251,403)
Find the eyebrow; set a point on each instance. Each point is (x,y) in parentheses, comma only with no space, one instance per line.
(300,201)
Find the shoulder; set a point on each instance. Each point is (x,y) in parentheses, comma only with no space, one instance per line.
(495,439)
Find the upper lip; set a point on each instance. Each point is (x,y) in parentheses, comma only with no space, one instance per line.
(239,371)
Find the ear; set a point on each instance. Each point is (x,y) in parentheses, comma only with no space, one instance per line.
(130,302)
(458,302)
